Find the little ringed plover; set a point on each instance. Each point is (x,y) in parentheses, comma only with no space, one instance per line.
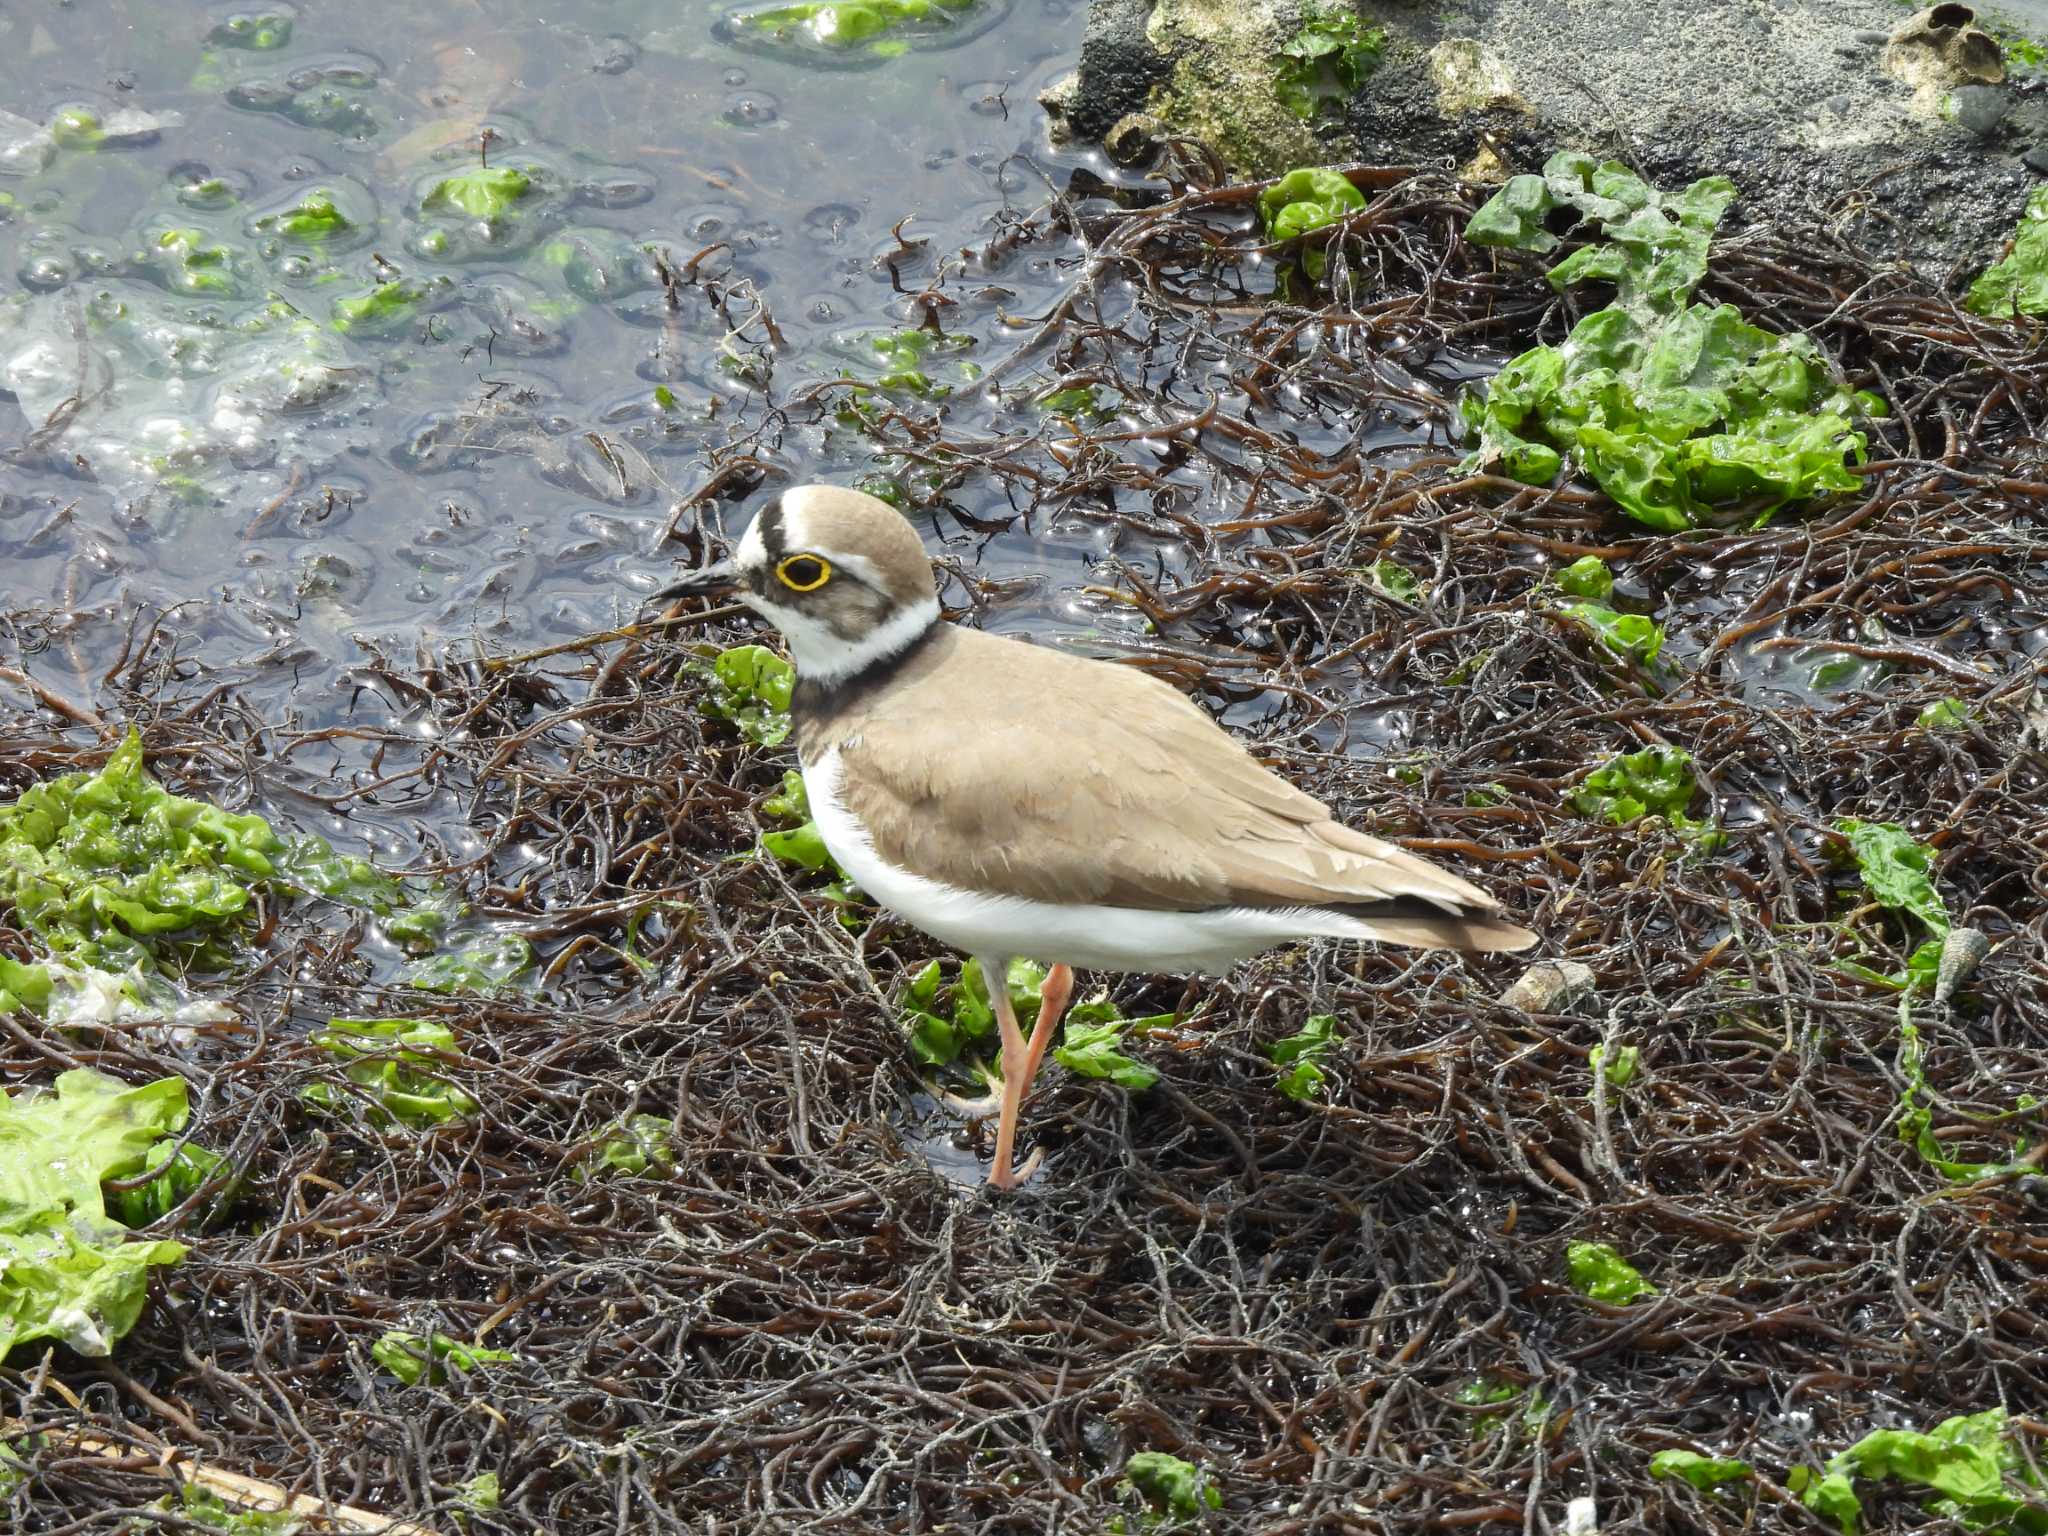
(1013,800)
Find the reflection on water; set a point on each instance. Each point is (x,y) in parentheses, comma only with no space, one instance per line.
(348,326)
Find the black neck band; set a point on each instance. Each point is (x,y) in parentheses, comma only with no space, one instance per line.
(813,699)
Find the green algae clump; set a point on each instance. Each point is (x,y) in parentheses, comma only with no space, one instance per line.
(480,194)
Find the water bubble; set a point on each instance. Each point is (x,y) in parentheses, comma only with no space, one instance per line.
(708,226)
(985,98)
(828,223)
(44,273)
(613,55)
(618,189)
(753,109)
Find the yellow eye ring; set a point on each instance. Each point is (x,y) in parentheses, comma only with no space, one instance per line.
(803,573)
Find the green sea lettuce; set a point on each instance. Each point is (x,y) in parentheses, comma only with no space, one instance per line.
(105,868)
(111,872)
(1332,40)
(1684,413)
(487,193)
(845,24)
(67,1269)
(414,1358)
(488,964)
(1655,782)
(1303,201)
(1091,1045)
(1172,1489)
(1977,1475)
(393,1062)
(1897,869)
(749,687)
(942,1021)
(1705,1473)
(2018,284)
(632,1146)
(1300,1055)
(1598,1271)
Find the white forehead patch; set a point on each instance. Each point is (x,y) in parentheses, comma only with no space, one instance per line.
(753,554)
(796,525)
(796,536)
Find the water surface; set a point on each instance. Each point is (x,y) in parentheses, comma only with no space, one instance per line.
(271,376)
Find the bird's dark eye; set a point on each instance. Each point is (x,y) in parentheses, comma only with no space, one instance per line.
(803,573)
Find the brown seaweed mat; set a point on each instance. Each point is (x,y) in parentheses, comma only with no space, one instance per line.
(1353,1314)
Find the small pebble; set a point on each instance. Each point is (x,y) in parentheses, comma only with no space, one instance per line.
(2036,159)
(1550,986)
(1961,953)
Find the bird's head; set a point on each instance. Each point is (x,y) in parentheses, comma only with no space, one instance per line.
(842,575)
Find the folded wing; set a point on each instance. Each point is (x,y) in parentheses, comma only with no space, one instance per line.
(1086,782)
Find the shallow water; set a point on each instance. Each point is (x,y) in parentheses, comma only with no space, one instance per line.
(209,205)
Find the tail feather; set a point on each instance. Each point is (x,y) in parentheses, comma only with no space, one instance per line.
(1486,935)
(1421,924)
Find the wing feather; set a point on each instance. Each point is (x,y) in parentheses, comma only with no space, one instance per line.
(1084,781)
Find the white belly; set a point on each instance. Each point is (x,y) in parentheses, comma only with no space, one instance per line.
(1085,936)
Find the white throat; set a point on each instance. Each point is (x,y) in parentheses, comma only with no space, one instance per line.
(826,658)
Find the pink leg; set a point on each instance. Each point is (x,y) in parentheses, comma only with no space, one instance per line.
(1020,1061)
(1053,998)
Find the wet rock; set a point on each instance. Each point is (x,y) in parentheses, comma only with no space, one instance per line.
(1136,139)
(1219,87)
(1550,986)
(1471,77)
(1118,69)
(1979,109)
(1903,133)
(1961,953)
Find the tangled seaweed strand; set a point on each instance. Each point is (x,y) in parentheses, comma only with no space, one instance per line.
(1352,1313)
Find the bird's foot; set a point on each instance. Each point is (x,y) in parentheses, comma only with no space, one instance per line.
(974,1109)
(1021,1175)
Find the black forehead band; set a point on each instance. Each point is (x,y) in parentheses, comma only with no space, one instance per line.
(774,540)
(775,545)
